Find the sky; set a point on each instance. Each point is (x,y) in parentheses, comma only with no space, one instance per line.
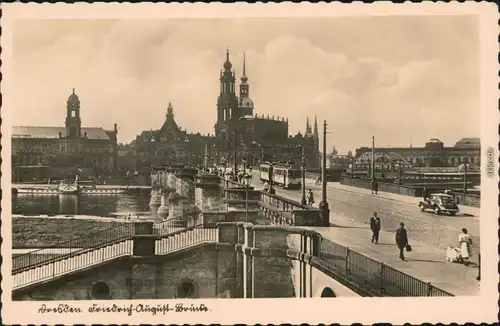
(401,79)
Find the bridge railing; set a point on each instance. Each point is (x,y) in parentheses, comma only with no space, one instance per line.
(282,203)
(72,247)
(176,223)
(381,278)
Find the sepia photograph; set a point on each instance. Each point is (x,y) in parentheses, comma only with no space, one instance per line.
(161,160)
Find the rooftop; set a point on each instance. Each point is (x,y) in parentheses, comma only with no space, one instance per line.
(53,132)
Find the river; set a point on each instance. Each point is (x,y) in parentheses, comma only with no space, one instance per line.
(96,205)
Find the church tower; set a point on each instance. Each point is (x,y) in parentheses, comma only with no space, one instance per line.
(228,112)
(227,101)
(73,121)
(245,103)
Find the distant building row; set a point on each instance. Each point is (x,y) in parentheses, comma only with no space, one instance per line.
(92,151)
(433,154)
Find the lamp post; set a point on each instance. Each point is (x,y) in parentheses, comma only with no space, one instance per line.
(373,159)
(323,205)
(247,179)
(400,172)
(352,167)
(271,171)
(303,170)
(465,175)
(234,149)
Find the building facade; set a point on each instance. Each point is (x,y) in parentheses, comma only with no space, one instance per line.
(241,135)
(433,154)
(62,152)
(170,145)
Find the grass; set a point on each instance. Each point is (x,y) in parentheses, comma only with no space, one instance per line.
(35,232)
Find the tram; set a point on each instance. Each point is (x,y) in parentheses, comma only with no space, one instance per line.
(283,175)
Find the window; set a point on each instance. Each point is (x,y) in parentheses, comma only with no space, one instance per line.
(73,113)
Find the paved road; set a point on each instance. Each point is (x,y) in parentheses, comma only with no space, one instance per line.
(349,208)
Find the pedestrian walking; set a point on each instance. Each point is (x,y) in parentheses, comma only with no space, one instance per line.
(401,240)
(465,242)
(375,227)
(310,198)
(424,193)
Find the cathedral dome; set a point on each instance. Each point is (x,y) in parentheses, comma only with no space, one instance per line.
(246,102)
(73,98)
(227,65)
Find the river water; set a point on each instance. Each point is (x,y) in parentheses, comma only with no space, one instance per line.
(95,205)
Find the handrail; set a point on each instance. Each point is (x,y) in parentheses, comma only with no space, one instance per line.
(382,279)
(75,246)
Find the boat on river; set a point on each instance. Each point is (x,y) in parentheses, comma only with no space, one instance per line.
(70,189)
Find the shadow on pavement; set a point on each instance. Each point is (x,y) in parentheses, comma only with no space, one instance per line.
(347,226)
(426,261)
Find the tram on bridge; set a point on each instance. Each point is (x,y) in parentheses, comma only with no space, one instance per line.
(284,176)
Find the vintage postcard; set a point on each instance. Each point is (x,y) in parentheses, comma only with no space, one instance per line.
(249,163)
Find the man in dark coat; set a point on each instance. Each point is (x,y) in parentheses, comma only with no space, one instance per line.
(424,193)
(401,240)
(375,227)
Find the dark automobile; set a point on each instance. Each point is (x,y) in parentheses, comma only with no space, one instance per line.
(440,203)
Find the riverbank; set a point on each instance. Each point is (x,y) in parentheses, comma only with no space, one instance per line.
(33,232)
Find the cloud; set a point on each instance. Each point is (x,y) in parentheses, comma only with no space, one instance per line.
(365,76)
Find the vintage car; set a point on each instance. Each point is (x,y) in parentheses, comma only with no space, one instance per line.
(439,203)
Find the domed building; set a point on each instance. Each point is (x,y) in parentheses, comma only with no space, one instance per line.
(40,152)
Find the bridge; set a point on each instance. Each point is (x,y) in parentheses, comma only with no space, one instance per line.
(197,214)
(351,208)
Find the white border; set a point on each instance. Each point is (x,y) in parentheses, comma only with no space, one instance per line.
(481,308)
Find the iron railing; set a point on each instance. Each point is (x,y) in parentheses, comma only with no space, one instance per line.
(282,203)
(72,247)
(177,223)
(376,276)
(184,238)
(72,255)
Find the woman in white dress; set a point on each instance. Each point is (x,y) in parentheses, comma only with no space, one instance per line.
(465,241)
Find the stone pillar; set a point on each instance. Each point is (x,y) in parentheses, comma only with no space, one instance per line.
(144,240)
(185,186)
(155,200)
(272,270)
(248,266)
(207,194)
(143,280)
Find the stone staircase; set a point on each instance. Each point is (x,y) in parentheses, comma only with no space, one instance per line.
(67,263)
(102,247)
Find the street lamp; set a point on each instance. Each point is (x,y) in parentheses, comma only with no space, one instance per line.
(400,172)
(271,171)
(323,205)
(303,175)
(186,142)
(465,174)
(247,179)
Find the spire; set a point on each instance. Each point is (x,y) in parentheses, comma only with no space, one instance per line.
(170,111)
(316,134)
(308,127)
(244,77)
(73,90)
